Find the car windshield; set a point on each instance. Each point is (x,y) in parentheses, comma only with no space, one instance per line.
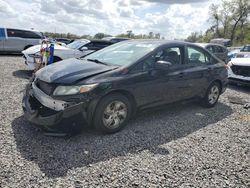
(123,53)
(77,44)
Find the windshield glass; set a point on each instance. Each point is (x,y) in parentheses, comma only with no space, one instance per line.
(123,53)
(77,44)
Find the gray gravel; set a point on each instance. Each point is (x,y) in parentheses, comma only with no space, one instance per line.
(181,145)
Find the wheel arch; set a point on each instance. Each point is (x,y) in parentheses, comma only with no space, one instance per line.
(219,82)
(93,104)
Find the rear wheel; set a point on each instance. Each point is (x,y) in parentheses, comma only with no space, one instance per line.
(212,95)
(112,113)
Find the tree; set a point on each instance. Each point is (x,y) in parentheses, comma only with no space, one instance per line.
(240,11)
(99,35)
(195,37)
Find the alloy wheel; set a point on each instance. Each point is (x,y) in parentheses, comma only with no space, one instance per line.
(114,114)
(213,94)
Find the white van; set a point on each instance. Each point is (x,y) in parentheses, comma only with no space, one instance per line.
(16,40)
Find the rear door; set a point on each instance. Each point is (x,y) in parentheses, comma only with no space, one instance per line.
(197,70)
(15,41)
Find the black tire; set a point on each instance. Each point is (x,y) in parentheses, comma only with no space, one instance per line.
(100,116)
(56,59)
(208,100)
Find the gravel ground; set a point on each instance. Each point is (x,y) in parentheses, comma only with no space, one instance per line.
(181,145)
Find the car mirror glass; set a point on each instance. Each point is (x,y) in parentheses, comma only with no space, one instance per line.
(164,65)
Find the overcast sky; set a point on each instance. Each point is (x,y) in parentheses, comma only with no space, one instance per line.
(171,18)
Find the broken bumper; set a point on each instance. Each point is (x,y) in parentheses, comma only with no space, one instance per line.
(48,113)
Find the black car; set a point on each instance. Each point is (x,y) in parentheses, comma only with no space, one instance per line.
(107,87)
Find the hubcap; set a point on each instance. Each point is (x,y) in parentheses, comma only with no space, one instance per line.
(114,114)
(213,94)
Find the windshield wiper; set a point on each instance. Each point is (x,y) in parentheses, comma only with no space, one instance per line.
(97,61)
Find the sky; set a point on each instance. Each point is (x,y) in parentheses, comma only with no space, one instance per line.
(173,19)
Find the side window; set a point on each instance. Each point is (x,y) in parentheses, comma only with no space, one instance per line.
(146,65)
(197,56)
(32,35)
(210,49)
(16,33)
(171,54)
(89,45)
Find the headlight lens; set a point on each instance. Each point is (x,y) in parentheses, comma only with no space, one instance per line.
(72,90)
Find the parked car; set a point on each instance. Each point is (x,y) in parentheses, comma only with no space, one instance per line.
(216,49)
(232,54)
(107,87)
(244,52)
(64,40)
(222,41)
(115,39)
(16,40)
(76,49)
(239,71)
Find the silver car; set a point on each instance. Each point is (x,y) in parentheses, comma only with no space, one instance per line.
(16,40)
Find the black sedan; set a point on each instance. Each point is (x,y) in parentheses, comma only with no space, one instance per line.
(107,87)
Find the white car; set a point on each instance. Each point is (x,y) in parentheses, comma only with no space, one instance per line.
(75,49)
(239,71)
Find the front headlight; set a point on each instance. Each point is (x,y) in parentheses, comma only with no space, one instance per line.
(72,90)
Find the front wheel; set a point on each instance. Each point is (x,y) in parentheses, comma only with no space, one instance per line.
(112,113)
(212,95)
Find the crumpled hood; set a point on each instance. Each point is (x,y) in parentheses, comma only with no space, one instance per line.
(36,48)
(241,61)
(70,71)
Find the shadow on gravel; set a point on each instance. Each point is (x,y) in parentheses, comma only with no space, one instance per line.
(240,88)
(151,129)
(24,74)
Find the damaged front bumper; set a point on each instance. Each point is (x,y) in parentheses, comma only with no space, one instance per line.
(48,113)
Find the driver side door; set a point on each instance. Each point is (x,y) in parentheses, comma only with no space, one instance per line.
(153,86)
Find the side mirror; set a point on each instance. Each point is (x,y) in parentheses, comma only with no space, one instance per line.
(162,65)
(84,48)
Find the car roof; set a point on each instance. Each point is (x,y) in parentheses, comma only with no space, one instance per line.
(207,44)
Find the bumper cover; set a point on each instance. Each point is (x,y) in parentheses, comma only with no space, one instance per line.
(48,113)
(239,81)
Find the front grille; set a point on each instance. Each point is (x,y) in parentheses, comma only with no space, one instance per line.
(45,87)
(241,70)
